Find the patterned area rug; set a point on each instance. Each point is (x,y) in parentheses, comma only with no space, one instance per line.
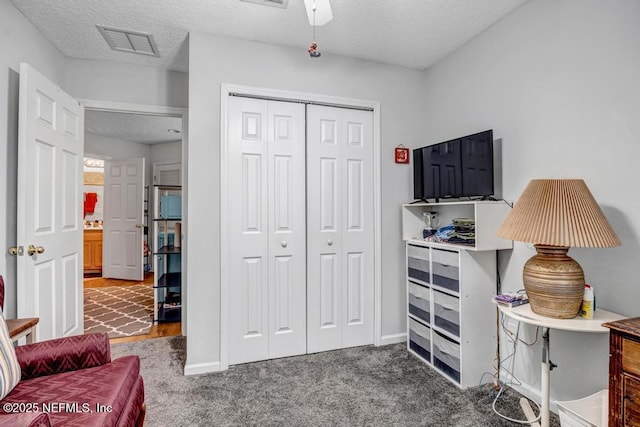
(121,311)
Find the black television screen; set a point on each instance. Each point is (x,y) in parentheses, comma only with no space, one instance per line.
(461,167)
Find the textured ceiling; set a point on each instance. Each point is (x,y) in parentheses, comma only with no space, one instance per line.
(410,33)
(139,128)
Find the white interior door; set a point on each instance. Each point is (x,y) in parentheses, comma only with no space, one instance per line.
(122,256)
(340,228)
(50,153)
(267,268)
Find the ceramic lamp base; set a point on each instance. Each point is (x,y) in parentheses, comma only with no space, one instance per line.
(554,282)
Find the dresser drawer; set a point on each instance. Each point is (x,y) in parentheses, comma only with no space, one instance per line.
(445,269)
(446,356)
(418,263)
(420,339)
(631,356)
(420,302)
(446,312)
(630,413)
(632,389)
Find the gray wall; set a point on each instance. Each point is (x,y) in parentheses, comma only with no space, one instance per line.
(558,81)
(19,42)
(133,84)
(214,60)
(170,152)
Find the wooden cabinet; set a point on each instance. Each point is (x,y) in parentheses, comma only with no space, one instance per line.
(624,372)
(93,251)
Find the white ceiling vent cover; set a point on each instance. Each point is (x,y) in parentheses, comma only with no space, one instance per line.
(282,4)
(129,41)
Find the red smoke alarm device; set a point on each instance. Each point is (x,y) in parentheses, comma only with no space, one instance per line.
(402,154)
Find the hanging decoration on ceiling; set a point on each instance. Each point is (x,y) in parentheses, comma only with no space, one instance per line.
(319,13)
(313,47)
(313,50)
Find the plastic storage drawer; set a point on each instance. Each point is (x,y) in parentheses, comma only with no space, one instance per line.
(446,272)
(420,339)
(170,207)
(446,312)
(418,263)
(420,302)
(446,356)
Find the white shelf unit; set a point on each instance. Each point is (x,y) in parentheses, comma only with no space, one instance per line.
(488,216)
(450,316)
(167,254)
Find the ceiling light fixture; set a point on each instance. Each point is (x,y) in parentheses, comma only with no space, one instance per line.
(318,11)
(282,4)
(93,163)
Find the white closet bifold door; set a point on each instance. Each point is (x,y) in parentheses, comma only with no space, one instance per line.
(340,228)
(267,267)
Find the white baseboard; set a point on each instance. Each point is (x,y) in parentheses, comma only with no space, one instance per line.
(201,368)
(534,394)
(393,339)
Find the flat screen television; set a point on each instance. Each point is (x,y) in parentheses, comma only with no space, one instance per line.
(461,167)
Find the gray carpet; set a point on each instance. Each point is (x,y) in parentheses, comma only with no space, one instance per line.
(365,386)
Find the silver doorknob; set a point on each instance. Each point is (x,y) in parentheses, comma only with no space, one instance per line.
(329,242)
(32,250)
(284,244)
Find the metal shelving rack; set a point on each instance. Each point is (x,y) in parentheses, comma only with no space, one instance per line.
(167,259)
(145,231)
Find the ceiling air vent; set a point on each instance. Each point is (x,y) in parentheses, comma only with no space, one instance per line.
(282,4)
(129,41)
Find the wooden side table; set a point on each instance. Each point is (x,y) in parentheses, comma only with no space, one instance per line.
(26,327)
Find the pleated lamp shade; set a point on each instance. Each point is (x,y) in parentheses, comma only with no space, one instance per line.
(558,212)
(554,215)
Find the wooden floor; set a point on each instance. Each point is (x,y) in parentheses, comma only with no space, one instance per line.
(157,330)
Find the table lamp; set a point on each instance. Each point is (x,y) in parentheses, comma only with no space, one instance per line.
(554,215)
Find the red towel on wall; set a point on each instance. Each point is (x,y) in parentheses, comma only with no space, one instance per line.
(90,200)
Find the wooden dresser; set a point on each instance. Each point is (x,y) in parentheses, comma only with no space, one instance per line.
(624,372)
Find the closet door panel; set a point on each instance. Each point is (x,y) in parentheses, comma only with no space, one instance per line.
(287,230)
(324,289)
(357,230)
(355,195)
(248,231)
(252,289)
(355,287)
(340,227)
(328,179)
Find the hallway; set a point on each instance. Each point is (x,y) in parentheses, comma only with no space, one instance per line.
(157,330)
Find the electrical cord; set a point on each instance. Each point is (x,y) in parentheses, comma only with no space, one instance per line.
(515,339)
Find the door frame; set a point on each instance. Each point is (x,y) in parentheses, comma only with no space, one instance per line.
(226,91)
(159,110)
